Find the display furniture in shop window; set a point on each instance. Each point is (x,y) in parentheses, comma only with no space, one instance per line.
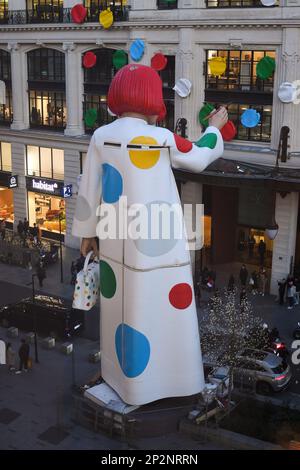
(46,85)
(242,88)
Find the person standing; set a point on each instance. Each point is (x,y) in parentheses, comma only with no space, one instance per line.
(41,273)
(262,251)
(20,228)
(254,276)
(262,280)
(231,283)
(26,227)
(291,289)
(10,357)
(24,356)
(281,290)
(35,233)
(243,275)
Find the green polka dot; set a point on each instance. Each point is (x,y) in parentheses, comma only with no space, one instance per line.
(108,283)
(208,140)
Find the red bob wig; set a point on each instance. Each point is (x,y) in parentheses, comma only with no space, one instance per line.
(137,89)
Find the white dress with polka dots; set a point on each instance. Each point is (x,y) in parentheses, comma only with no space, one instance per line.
(150,346)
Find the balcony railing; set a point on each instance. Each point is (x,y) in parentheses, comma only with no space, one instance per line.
(57,15)
(236,4)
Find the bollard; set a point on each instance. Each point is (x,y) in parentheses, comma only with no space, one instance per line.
(94,357)
(67,348)
(48,343)
(29,338)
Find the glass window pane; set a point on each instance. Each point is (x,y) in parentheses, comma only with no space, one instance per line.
(58,164)
(46,165)
(33,165)
(6,156)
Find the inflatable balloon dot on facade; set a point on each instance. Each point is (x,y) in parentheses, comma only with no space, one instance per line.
(265,67)
(159,62)
(183,87)
(287,92)
(217,66)
(78,13)
(90,117)
(89,60)
(120,58)
(137,50)
(250,118)
(106,18)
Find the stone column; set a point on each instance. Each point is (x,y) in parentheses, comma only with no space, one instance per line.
(72,170)
(286,216)
(74,90)
(287,114)
(19,87)
(191,194)
(20,193)
(189,62)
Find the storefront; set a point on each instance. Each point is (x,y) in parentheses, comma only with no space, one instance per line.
(6,199)
(46,206)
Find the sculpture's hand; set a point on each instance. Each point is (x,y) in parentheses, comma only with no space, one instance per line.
(87,245)
(219,119)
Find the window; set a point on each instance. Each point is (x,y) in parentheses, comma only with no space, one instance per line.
(168,78)
(4,12)
(118,7)
(243,89)
(235,3)
(96,85)
(167,4)
(6,114)
(43,11)
(5,156)
(48,212)
(45,162)
(46,83)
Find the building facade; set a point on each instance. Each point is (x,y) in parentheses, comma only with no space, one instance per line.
(44,136)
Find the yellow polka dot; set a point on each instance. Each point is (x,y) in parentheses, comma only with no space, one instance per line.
(143,158)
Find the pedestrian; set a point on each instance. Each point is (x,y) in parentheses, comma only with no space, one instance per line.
(231,283)
(251,245)
(24,356)
(20,228)
(281,290)
(243,275)
(41,272)
(255,286)
(10,357)
(243,296)
(291,289)
(263,280)
(73,273)
(26,227)
(35,233)
(262,251)
(297,293)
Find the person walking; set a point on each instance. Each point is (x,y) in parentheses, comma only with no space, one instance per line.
(263,280)
(291,289)
(255,284)
(41,273)
(297,288)
(281,290)
(262,251)
(35,233)
(243,275)
(10,357)
(23,356)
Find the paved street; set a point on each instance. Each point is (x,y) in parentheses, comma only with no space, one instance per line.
(40,399)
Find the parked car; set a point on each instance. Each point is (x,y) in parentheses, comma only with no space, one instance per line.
(48,315)
(255,369)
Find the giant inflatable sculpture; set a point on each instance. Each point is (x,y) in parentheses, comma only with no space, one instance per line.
(150,345)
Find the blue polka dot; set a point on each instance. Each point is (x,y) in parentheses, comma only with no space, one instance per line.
(112,184)
(133,350)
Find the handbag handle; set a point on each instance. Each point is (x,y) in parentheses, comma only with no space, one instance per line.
(87,260)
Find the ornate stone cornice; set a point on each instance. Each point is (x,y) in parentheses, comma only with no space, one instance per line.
(290,57)
(13,46)
(69,46)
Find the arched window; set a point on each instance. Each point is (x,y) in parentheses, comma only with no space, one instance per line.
(96,85)
(5,76)
(46,85)
(43,11)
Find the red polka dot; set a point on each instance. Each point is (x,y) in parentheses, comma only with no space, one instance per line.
(183,145)
(181,296)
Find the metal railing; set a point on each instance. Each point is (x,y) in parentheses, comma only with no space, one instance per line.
(57,15)
(236,4)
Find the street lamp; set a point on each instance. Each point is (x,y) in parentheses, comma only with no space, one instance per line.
(35,318)
(60,249)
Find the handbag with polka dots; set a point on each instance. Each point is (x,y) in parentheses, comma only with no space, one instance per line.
(87,285)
